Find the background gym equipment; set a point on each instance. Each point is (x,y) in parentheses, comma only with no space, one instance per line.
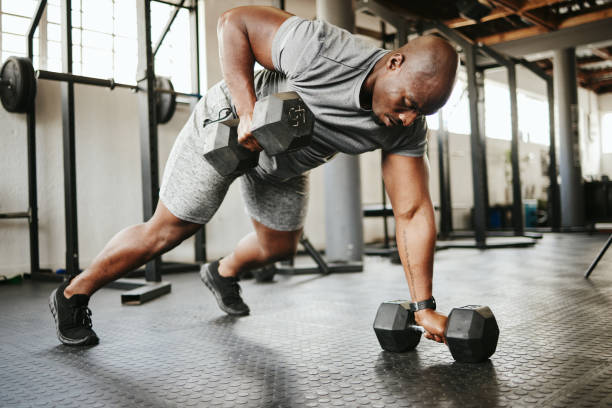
(281,122)
(18,87)
(471,331)
(598,257)
(153,106)
(267,273)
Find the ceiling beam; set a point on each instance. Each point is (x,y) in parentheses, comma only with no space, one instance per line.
(512,35)
(601,84)
(523,33)
(602,53)
(515,8)
(599,72)
(499,12)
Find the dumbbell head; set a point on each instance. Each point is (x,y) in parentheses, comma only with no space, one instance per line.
(18,89)
(282,122)
(227,156)
(472,333)
(394,326)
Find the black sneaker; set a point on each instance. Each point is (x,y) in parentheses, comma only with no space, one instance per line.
(226,290)
(72,318)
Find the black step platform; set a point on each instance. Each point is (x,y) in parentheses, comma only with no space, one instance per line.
(309,340)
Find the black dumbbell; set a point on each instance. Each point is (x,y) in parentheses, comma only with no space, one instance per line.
(281,122)
(471,331)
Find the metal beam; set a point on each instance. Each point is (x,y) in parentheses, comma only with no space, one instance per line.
(31,148)
(166,28)
(595,32)
(446,212)
(381,11)
(478,175)
(518,9)
(517,201)
(68,131)
(194,34)
(554,205)
(148,124)
(554,198)
(40,8)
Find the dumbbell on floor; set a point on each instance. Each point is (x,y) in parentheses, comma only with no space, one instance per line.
(281,122)
(471,331)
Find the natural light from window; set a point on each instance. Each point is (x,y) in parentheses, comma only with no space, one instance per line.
(606,132)
(104,39)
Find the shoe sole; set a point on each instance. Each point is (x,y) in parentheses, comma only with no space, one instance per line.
(206,278)
(87,341)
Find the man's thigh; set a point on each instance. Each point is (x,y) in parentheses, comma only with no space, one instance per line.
(278,205)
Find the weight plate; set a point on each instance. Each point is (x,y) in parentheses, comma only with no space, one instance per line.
(19,96)
(166,102)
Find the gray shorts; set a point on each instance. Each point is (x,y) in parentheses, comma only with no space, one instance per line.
(193,191)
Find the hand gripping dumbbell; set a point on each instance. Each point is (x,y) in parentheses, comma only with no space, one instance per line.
(471,331)
(281,122)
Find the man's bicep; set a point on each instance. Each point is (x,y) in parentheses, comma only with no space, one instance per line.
(407,182)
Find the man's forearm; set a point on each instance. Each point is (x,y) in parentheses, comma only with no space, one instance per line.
(237,60)
(416,238)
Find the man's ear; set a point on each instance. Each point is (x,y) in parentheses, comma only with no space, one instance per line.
(395,61)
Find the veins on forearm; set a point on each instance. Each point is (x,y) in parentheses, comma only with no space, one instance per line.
(408,266)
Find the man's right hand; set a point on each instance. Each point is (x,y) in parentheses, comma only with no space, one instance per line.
(245,137)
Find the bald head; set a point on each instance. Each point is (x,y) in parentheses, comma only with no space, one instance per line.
(414,80)
(431,61)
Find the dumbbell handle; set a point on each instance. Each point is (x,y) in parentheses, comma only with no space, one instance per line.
(417,328)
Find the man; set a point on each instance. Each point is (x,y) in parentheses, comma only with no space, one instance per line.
(363,98)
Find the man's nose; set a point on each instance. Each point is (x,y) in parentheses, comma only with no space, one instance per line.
(407,118)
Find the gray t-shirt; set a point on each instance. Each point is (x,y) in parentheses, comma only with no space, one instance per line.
(327,66)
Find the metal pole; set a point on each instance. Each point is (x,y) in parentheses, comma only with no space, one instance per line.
(554,200)
(148,124)
(478,180)
(554,205)
(31,143)
(40,8)
(566,92)
(343,212)
(167,27)
(483,140)
(279,4)
(384,205)
(598,257)
(200,236)
(446,214)
(68,128)
(517,200)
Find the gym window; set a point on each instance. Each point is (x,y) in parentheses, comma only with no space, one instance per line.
(15,18)
(104,38)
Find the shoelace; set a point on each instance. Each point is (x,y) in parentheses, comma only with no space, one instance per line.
(82,316)
(234,296)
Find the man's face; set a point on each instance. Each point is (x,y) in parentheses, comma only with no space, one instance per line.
(397,100)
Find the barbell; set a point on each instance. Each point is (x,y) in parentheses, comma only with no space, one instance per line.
(18,87)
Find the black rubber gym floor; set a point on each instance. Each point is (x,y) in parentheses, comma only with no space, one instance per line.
(309,340)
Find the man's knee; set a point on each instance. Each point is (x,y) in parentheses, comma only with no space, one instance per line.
(281,246)
(165,231)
